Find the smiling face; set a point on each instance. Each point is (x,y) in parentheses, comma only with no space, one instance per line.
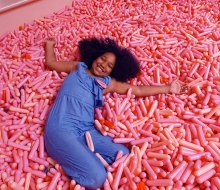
(103,65)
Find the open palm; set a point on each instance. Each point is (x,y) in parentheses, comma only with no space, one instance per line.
(177,88)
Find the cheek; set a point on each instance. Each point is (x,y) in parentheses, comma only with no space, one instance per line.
(110,70)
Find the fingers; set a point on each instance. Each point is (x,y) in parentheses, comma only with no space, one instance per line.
(184,89)
(175,81)
(178,87)
(51,39)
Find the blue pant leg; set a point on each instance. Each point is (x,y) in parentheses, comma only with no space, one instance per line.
(105,146)
(78,162)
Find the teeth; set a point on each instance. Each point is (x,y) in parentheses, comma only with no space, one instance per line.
(100,68)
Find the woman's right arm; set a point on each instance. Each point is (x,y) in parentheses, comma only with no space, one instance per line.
(53,64)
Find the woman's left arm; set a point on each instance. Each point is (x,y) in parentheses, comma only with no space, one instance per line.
(141,91)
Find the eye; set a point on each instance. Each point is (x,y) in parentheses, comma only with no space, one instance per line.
(103,58)
(110,66)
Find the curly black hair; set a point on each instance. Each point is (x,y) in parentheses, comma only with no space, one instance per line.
(126,66)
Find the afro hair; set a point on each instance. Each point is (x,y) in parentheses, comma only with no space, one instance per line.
(126,66)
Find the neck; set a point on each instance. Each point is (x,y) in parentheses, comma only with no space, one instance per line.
(90,73)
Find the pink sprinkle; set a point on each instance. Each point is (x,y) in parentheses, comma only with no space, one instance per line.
(15,109)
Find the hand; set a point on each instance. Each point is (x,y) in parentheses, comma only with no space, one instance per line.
(177,88)
(50,41)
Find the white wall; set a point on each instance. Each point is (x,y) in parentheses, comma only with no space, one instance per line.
(13,18)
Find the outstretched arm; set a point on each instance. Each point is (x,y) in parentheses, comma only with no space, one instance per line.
(53,64)
(141,91)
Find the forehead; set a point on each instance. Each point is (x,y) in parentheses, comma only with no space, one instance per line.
(110,56)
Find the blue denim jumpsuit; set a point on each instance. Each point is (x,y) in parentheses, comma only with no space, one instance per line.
(71,115)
